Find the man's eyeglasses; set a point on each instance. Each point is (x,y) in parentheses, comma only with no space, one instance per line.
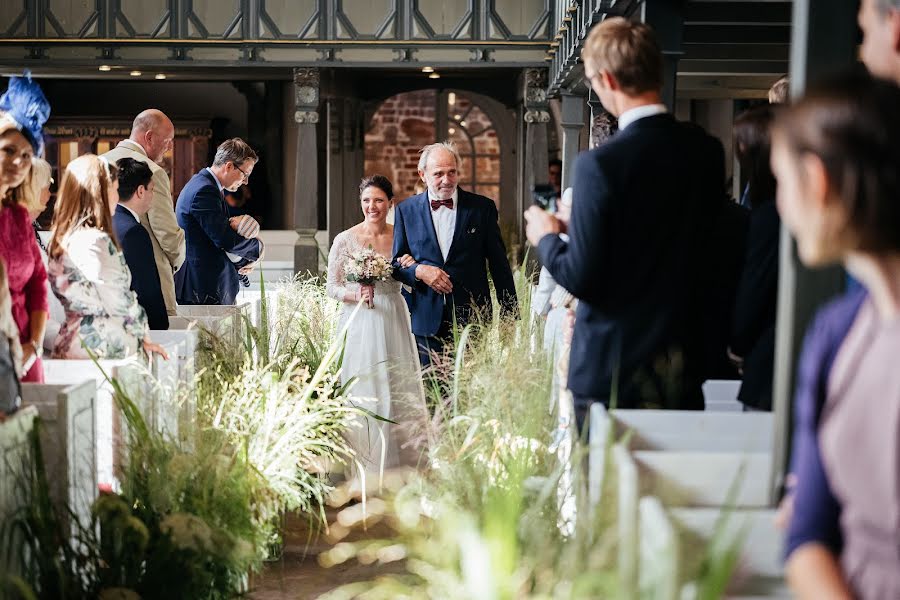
(244,173)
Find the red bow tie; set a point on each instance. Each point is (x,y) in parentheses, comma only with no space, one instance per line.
(436,204)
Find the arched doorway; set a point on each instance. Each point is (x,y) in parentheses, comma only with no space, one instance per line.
(482,130)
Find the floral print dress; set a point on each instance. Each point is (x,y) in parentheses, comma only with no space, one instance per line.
(92,281)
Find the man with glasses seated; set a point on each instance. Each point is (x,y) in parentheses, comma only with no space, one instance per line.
(220,251)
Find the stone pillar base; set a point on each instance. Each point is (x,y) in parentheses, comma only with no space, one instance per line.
(306,253)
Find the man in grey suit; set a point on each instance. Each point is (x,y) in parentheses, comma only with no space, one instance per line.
(151,135)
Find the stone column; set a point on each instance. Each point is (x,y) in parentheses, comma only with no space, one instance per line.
(667,20)
(536,117)
(306,170)
(532,133)
(822,40)
(572,114)
(603,123)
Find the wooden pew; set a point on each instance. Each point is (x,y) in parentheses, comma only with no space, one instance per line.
(689,457)
(15,458)
(693,462)
(720,395)
(68,443)
(224,321)
(130,374)
(175,400)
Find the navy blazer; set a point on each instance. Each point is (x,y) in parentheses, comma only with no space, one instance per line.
(208,276)
(817,511)
(638,260)
(477,246)
(753,324)
(138,251)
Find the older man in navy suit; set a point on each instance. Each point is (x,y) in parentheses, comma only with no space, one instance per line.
(216,254)
(135,198)
(451,238)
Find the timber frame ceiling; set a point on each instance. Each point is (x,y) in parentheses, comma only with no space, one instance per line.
(726,48)
(259,33)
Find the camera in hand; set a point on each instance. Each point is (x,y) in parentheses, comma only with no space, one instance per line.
(545,196)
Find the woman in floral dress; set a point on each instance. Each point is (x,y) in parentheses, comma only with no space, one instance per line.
(88,272)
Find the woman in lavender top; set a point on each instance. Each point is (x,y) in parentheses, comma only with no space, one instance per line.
(836,154)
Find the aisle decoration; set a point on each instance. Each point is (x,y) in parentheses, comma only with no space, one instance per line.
(195,516)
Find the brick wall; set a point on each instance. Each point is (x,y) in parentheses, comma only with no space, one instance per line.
(406,122)
(401,126)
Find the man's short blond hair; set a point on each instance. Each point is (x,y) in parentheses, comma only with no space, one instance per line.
(629,51)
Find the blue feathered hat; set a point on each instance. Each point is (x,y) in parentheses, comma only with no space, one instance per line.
(25,103)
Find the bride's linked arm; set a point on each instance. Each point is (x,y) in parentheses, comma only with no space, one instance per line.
(335,285)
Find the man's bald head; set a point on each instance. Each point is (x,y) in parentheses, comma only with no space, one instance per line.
(154,131)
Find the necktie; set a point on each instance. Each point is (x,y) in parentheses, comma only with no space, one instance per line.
(436,204)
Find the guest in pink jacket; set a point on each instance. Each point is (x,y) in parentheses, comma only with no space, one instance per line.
(23,111)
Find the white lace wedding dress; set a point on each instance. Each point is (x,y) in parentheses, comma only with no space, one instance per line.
(380,352)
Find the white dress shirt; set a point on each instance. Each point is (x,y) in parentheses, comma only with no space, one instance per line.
(444,220)
(648,110)
(218,183)
(232,257)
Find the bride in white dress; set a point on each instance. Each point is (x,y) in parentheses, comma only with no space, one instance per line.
(380,350)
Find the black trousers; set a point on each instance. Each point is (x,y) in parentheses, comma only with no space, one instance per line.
(583,410)
(429,344)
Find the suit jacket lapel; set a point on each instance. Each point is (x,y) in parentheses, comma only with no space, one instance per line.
(428,223)
(127,213)
(215,184)
(463,214)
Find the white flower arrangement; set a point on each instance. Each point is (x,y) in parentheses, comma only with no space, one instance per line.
(367,267)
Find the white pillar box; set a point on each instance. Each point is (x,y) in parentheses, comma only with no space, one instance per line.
(224,321)
(627,523)
(68,443)
(659,553)
(131,375)
(15,462)
(721,395)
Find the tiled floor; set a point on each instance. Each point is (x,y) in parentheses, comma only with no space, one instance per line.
(298,574)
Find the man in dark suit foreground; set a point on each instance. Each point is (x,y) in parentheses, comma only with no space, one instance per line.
(216,254)
(453,237)
(135,198)
(639,234)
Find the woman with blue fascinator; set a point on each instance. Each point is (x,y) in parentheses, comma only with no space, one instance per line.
(23,111)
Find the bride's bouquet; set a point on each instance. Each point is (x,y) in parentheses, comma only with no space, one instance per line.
(367,267)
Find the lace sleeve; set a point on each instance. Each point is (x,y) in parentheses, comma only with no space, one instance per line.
(335,285)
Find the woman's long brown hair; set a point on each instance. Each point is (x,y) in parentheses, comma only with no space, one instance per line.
(82,200)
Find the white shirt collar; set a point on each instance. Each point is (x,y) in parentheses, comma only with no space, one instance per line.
(455,198)
(133,145)
(647,110)
(216,179)
(136,217)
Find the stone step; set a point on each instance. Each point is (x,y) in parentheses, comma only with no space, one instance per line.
(704,479)
(762,541)
(694,430)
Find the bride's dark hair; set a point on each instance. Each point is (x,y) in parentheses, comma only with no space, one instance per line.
(379,181)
